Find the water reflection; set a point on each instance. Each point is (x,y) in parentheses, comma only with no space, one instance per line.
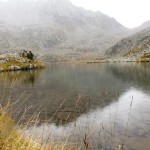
(83,99)
(111,124)
(136,74)
(23,77)
(17,86)
(97,85)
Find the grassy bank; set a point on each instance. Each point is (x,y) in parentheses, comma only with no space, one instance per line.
(12,139)
(15,65)
(18,61)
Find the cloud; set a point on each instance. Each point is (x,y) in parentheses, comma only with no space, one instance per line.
(127,12)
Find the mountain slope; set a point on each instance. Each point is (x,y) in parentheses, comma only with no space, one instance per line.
(132,48)
(142,26)
(57,29)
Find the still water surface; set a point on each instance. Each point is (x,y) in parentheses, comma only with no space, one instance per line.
(110,103)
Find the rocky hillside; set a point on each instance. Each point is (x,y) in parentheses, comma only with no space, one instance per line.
(56,29)
(132,48)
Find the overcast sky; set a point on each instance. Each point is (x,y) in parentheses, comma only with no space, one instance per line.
(130,13)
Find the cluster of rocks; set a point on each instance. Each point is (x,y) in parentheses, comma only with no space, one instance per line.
(14,68)
(15,61)
(5,58)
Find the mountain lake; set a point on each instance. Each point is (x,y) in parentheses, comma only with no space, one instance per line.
(104,105)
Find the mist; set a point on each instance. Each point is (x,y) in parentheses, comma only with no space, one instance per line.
(26,12)
(57,30)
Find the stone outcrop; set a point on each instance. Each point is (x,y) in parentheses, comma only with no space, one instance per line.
(15,61)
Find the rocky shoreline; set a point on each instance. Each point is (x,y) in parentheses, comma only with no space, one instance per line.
(15,62)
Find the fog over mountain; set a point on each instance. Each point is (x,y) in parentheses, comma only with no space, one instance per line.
(56,29)
(132,48)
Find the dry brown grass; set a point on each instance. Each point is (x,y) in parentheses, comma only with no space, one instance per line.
(37,63)
(12,139)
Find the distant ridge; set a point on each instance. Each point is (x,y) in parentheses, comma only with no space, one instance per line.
(132,48)
(56,29)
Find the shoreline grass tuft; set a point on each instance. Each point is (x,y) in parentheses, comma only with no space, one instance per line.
(12,139)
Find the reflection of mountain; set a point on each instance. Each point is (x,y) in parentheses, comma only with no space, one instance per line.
(136,75)
(97,84)
(92,122)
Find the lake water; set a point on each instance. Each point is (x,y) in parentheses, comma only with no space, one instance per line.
(109,103)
